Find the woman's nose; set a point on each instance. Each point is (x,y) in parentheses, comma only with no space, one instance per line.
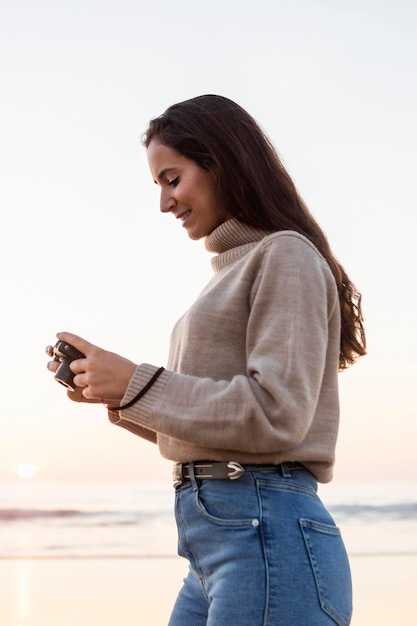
(167,202)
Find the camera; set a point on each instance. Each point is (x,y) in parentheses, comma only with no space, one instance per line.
(65,354)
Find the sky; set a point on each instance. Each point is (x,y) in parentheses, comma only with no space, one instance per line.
(84,247)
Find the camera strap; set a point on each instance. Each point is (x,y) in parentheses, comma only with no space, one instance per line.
(141,393)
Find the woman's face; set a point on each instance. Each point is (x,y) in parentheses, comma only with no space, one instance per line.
(187,190)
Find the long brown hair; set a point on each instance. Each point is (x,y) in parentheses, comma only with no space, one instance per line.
(224,139)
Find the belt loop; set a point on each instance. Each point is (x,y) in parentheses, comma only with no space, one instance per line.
(192,477)
(285,470)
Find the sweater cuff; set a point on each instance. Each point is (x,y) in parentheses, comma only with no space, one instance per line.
(141,411)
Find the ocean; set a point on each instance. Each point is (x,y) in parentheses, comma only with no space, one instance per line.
(125,520)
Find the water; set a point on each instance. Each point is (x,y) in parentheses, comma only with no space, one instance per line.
(62,520)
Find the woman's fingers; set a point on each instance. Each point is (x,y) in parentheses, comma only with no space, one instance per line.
(99,375)
(77,342)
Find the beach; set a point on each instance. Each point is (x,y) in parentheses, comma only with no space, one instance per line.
(132,591)
(105,554)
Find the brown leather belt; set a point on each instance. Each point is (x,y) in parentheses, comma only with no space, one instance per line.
(223,470)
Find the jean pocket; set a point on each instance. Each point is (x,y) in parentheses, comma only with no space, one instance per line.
(331,570)
(224,504)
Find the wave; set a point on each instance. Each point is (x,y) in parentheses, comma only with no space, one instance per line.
(98,518)
(398,511)
(13,515)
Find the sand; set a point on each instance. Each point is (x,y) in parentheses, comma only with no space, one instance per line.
(132,592)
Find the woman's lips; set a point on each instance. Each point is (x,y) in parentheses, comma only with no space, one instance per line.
(184,216)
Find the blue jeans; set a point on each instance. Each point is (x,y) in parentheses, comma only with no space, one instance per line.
(263,551)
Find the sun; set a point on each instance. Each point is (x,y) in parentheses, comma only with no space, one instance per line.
(26,470)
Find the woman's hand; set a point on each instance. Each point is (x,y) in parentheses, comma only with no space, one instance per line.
(101,376)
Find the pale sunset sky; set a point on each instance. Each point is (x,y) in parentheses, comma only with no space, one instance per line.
(85,249)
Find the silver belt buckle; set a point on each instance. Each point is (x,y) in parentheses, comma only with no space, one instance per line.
(237,472)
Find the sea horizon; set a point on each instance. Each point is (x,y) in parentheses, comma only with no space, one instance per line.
(40,520)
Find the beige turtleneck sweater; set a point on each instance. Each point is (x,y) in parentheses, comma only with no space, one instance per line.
(252,374)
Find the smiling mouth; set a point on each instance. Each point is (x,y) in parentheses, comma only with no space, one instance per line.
(183,216)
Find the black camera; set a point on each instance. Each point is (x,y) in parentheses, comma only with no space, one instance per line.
(65,354)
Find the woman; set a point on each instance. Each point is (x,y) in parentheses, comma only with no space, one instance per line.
(247,407)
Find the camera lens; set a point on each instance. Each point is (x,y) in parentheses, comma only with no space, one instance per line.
(65,353)
(65,376)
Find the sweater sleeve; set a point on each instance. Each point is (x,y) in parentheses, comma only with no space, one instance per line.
(271,406)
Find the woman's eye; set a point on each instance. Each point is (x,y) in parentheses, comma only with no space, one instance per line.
(174,182)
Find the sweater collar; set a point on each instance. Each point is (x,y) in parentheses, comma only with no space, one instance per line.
(232,240)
